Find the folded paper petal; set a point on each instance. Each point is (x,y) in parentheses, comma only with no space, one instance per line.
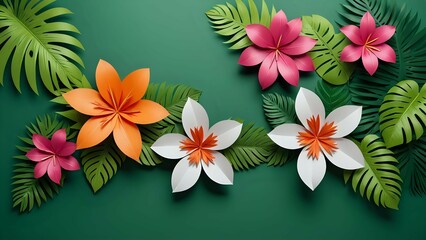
(253,55)
(383,34)
(194,115)
(386,53)
(291,31)
(185,175)
(268,71)
(278,26)
(286,135)
(58,140)
(135,84)
(310,170)
(145,112)
(168,146)
(54,172)
(367,26)
(308,104)
(347,155)
(68,163)
(41,168)
(299,46)
(87,101)
(108,82)
(94,131)
(260,35)
(353,34)
(128,139)
(220,170)
(346,119)
(288,69)
(42,143)
(304,63)
(227,132)
(351,53)
(37,155)
(370,61)
(67,149)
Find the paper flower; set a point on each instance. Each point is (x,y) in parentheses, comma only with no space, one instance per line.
(53,155)
(368,43)
(116,108)
(280,49)
(319,137)
(200,149)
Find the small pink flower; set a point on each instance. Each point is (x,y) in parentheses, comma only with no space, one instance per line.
(52,155)
(368,43)
(280,49)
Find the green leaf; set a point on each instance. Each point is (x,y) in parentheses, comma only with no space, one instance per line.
(403,113)
(279,156)
(333,96)
(76,117)
(379,180)
(232,21)
(326,52)
(279,109)
(34,42)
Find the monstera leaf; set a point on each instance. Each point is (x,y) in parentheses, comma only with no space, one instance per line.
(279,109)
(231,21)
(403,113)
(35,42)
(333,96)
(326,53)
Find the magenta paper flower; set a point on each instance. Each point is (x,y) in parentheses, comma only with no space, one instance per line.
(280,49)
(368,43)
(53,155)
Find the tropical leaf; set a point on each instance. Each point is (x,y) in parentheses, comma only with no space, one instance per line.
(279,109)
(379,180)
(279,156)
(326,52)
(31,38)
(409,43)
(232,21)
(333,96)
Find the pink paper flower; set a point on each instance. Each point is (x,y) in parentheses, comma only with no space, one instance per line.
(52,155)
(368,43)
(280,49)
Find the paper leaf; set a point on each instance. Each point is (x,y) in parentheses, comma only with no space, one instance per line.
(333,96)
(379,180)
(326,53)
(231,21)
(279,109)
(279,156)
(403,113)
(36,44)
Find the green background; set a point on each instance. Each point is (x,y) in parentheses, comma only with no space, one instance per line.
(175,40)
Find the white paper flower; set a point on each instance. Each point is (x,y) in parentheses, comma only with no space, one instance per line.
(320,136)
(200,150)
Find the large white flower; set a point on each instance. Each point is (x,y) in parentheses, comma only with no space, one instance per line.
(200,150)
(320,136)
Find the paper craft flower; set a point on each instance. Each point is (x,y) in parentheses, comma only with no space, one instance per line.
(368,43)
(279,49)
(116,108)
(200,149)
(319,137)
(52,155)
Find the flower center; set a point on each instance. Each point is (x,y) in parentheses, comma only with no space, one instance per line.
(368,44)
(199,148)
(318,138)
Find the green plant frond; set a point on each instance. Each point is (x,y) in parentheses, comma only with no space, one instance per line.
(333,96)
(279,109)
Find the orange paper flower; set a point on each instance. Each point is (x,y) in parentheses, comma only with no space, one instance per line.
(116,108)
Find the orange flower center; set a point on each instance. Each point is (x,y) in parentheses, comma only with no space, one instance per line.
(318,138)
(199,149)
(368,43)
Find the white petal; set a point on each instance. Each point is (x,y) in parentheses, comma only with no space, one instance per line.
(285,135)
(220,170)
(311,170)
(185,175)
(308,104)
(194,115)
(346,119)
(227,133)
(168,146)
(347,156)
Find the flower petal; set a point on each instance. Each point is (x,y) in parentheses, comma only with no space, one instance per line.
(220,170)
(347,155)
(168,146)
(367,26)
(253,55)
(260,35)
(310,170)
(353,34)
(54,172)
(383,34)
(194,115)
(37,155)
(58,140)
(268,71)
(94,131)
(300,45)
(370,61)
(68,163)
(42,143)
(67,149)
(346,119)
(304,63)
(108,82)
(227,132)
(288,69)
(386,53)
(351,53)
(41,168)
(185,175)
(278,26)
(135,85)
(308,104)
(145,112)
(286,135)
(87,101)
(292,31)
(128,139)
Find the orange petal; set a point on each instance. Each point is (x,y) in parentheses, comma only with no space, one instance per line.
(108,82)
(128,138)
(87,101)
(95,130)
(135,85)
(145,112)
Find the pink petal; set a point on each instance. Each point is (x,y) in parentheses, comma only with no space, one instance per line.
(288,69)
(42,143)
(301,45)
(54,172)
(292,31)
(278,25)
(37,155)
(268,71)
(253,55)
(304,63)
(260,35)
(67,149)
(353,34)
(351,53)
(41,168)
(68,163)
(367,26)
(58,139)
(370,61)
(386,53)
(383,33)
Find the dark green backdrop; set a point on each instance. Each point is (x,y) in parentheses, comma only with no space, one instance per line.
(175,40)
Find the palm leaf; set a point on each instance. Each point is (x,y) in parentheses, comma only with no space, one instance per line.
(326,52)
(279,109)
(279,156)
(379,180)
(31,38)
(232,21)
(333,96)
